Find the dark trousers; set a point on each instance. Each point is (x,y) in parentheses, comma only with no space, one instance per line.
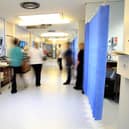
(79,78)
(37,71)
(16,70)
(68,70)
(60,63)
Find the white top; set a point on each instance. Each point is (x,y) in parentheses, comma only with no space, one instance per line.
(36,56)
(60,53)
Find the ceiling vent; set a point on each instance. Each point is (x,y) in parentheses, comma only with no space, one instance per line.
(30,5)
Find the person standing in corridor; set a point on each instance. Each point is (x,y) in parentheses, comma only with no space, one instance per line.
(79,78)
(16,58)
(36,60)
(68,56)
(59,57)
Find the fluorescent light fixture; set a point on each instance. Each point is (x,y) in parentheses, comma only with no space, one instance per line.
(43,19)
(54,34)
(58,39)
(37,39)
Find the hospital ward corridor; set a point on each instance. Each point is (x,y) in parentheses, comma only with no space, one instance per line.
(64,64)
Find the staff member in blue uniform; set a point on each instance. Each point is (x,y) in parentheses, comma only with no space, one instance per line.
(69,62)
(79,78)
(16,57)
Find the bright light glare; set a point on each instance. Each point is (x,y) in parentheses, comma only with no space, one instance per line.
(43,19)
(54,34)
(58,39)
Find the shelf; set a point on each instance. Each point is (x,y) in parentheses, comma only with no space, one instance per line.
(120,53)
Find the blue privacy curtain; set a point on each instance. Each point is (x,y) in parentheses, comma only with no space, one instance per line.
(86,58)
(96,38)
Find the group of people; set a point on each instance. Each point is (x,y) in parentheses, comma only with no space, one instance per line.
(35,54)
(16,57)
(68,56)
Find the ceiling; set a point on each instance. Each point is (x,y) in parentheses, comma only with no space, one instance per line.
(74,9)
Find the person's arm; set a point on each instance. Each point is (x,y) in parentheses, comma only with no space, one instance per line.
(64,54)
(41,53)
(58,52)
(21,54)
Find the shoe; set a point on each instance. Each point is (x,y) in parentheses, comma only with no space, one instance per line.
(14,92)
(25,86)
(82,92)
(66,83)
(77,88)
(38,85)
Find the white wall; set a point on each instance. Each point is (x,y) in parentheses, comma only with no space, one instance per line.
(116,19)
(22,33)
(1,27)
(34,38)
(9,34)
(124,104)
(81,31)
(116,23)
(12,30)
(2,36)
(9,29)
(124,87)
(126,27)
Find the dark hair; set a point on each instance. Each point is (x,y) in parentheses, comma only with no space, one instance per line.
(15,41)
(68,44)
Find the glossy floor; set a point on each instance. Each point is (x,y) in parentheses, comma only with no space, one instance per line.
(51,106)
(110,114)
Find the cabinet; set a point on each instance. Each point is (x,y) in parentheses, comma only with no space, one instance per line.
(123,69)
(123,65)
(5,75)
(112,82)
(25,65)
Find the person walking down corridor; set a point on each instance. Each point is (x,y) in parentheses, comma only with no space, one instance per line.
(36,60)
(69,62)
(16,58)
(59,57)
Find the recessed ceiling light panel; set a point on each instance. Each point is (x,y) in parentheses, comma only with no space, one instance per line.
(54,34)
(43,19)
(30,5)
